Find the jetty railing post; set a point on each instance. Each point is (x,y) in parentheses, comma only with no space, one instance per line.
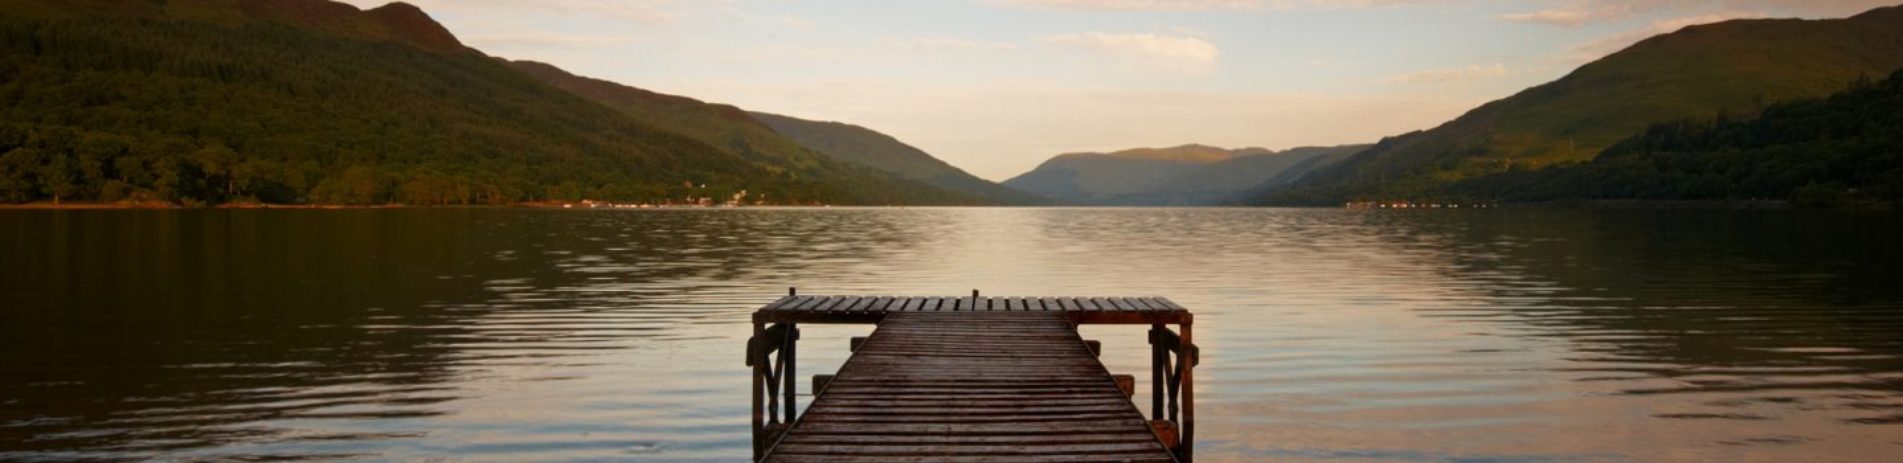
(1189,362)
(759,389)
(1156,371)
(789,377)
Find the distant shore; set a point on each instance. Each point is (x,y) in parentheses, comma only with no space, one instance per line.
(536,205)
(1596,204)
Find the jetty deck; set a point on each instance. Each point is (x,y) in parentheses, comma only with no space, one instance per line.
(972,379)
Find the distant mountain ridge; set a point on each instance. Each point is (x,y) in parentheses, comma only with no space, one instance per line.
(863,146)
(1184,175)
(1698,72)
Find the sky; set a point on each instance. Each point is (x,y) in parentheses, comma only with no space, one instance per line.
(998,86)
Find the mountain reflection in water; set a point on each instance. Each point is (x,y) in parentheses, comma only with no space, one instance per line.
(522,334)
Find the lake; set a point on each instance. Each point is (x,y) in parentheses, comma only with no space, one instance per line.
(574,335)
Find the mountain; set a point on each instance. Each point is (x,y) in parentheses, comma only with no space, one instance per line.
(1698,72)
(1823,152)
(311,101)
(1183,175)
(737,132)
(866,147)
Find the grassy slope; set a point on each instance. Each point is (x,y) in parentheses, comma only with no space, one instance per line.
(866,147)
(320,102)
(1736,66)
(735,131)
(1848,147)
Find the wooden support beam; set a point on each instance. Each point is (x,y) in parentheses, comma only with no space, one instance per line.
(1166,431)
(760,439)
(1095,346)
(1185,452)
(1127,383)
(855,342)
(820,382)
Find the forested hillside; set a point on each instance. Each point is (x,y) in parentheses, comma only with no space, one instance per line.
(864,146)
(1848,147)
(1736,66)
(310,101)
(736,132)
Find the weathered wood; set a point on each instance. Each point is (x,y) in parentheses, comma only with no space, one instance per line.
(820,382)
(1080,310)
(1165,431)
(988,379)
(975,378)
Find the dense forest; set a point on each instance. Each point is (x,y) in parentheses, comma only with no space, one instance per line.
(308,101)
(1844,148)
(1737,66)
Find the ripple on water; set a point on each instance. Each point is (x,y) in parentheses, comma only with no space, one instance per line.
(532,335)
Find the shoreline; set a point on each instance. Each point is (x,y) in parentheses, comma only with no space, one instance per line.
(79,206)
(1597,204)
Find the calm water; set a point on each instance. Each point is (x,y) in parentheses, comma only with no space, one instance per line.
(1329,335)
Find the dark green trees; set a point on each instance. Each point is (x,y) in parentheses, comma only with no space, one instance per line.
(1847,147)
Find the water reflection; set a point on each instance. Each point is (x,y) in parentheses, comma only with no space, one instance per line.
(511,335)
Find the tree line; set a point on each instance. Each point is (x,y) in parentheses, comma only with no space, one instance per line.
(1844,148)
(191,112)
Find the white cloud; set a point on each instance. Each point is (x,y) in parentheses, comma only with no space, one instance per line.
(1145,45)
(1138,5)
(1573,15)
(946,43)
(543,41)
(1469,72)
(1579,12)
(644,11)
(1203,5)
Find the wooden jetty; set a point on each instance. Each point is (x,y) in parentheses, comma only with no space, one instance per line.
(966,379)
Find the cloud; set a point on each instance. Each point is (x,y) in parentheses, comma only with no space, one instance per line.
(544,41)
(1581,12)
(1137,5)
(1469,72)
(945,43)
(1573,15)
(1146,45)
(1202,5)
(1599,48)
(643,11)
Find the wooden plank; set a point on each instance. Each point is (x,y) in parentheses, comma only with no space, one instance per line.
(844,303)
(864,448)
(861,304)
(987,379)
(779,302)
(1092,458)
